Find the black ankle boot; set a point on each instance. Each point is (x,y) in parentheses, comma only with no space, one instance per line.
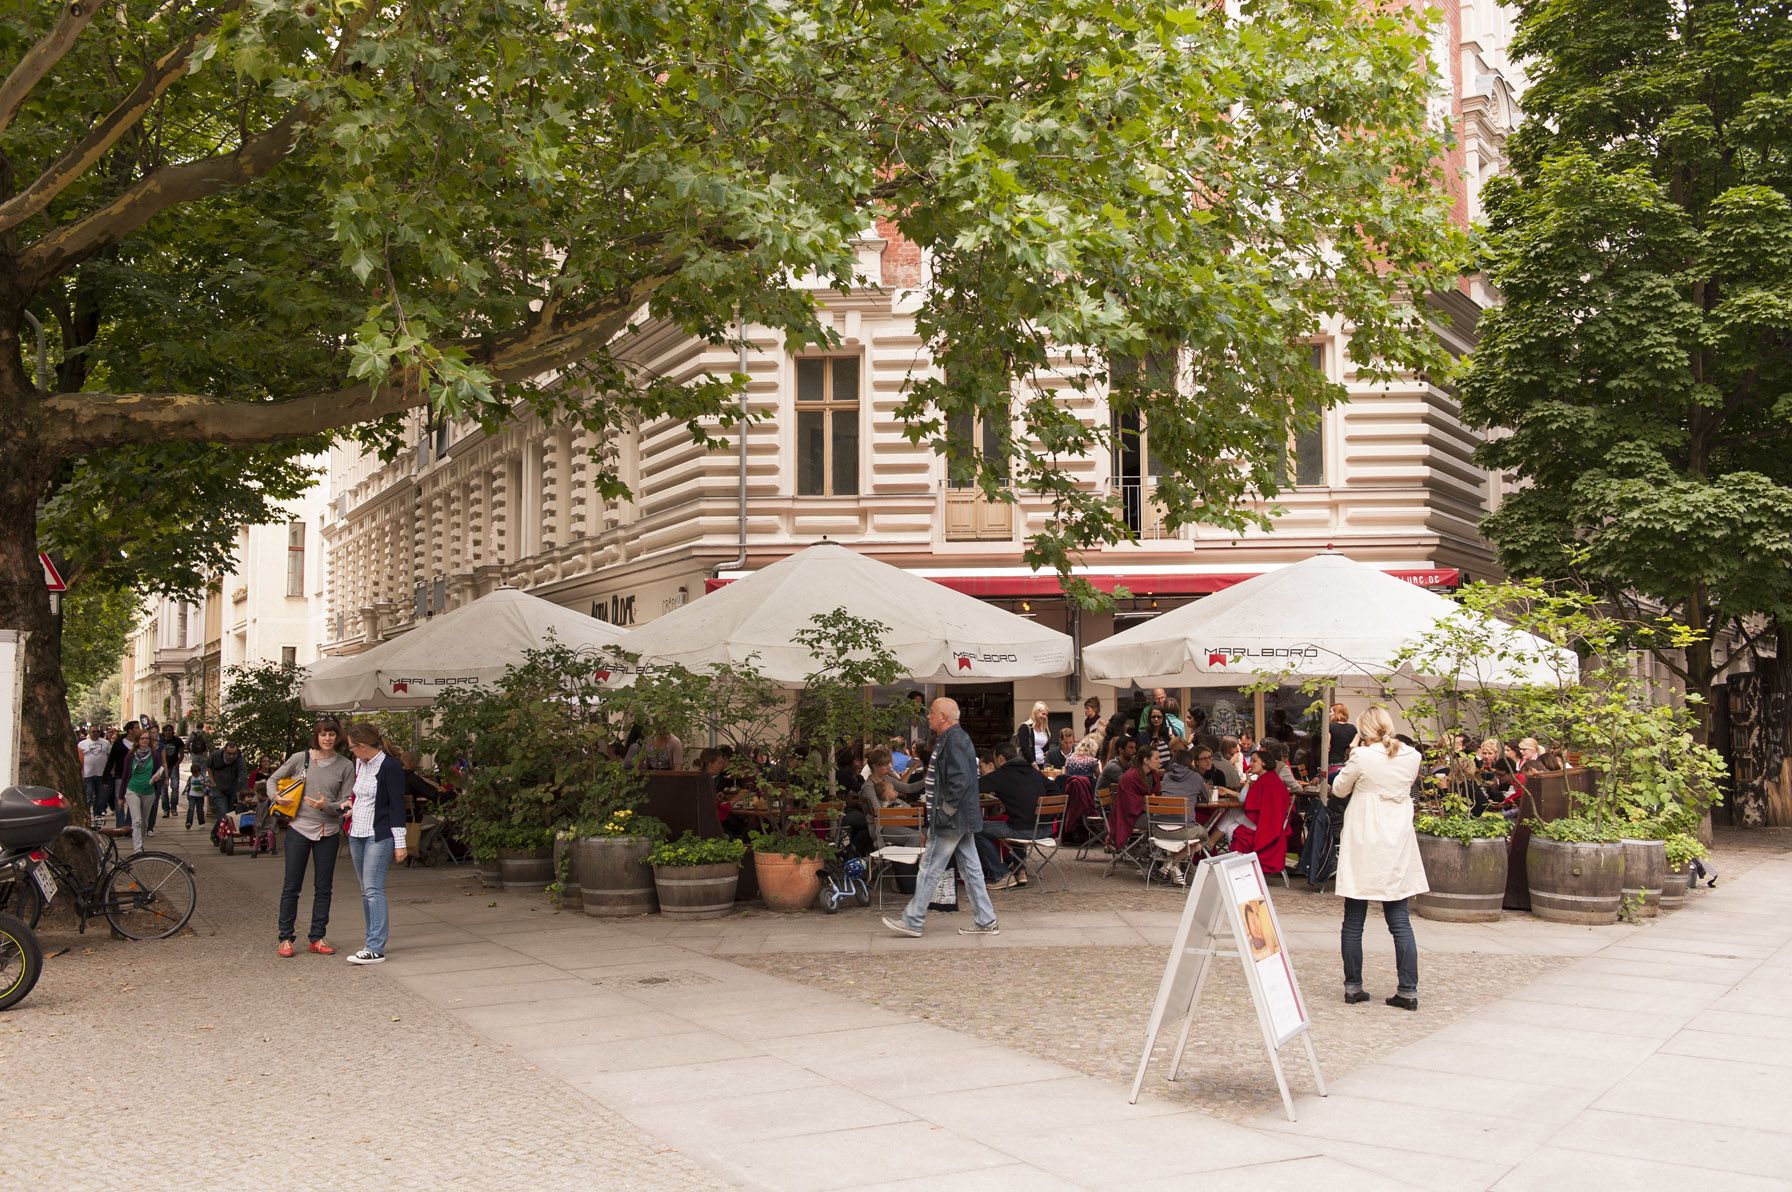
(1404,1002)
(1351,999)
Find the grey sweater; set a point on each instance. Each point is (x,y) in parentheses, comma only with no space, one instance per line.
(332,780)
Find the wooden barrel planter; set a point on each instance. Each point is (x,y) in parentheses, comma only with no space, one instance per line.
(1645,871)
(490,876)
(613,877)
(1674,885)
(1575,883)
(788,883)
(1467,879)
(696,891)
(526,871)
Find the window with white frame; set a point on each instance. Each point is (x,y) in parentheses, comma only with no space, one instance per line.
(1303,464)
(827,425)
(1135,468)
(295,558)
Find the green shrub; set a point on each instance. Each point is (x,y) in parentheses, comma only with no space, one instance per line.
(1577,830)
(1489,825)
(1683,850)
(791,844)
(690,849)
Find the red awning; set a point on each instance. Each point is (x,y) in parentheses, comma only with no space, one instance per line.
(1186,584)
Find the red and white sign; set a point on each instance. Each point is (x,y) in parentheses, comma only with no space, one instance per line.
(52,578)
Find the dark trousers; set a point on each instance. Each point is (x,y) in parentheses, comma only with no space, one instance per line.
(1406,946)
(99,795)
(195,807)
(302,851)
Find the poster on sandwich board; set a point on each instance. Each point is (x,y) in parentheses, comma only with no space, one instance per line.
(1229,903)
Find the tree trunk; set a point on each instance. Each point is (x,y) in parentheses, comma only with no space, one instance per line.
(46,739)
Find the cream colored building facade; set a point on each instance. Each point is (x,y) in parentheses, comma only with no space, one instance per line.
(1388,479)
(269,607)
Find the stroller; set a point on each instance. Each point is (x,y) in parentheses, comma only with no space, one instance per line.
(249,827)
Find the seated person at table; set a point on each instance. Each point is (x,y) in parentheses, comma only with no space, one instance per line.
(881,789)
(1020,787)
(1061,750)
(899,758)
(1121,763)
(1210,772)
(1261,826)
(1140,781)
(1184,780)
(1231,763)
(1081,763)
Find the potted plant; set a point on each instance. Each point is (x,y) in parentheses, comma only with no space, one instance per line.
(1576,867)
(525,858)
(791,846)
(483,844)
(611,855)
(1680,850)
(1465,862)
(696,877)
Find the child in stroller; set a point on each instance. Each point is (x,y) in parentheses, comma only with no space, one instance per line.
(249,825)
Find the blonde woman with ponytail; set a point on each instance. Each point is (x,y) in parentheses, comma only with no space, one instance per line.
(1378,857)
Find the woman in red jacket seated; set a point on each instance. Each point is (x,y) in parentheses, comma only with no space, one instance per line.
(1266,803)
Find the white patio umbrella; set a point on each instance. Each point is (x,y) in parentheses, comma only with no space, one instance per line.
(1327,617)
(1324,617)
(937,634)
(475,643)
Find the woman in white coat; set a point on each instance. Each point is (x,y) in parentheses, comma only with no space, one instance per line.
(1378,857)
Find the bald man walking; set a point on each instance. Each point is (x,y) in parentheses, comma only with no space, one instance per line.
(953,822)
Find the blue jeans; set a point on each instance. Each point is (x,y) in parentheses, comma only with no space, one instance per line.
(320,855)
(372,858)
(1406,947)
(942,846)
(99,795)
(993,831)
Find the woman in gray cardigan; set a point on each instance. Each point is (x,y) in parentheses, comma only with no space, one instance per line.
(316,832)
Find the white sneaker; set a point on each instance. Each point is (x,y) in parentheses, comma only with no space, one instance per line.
(366,957)
(974,929)
(901,928)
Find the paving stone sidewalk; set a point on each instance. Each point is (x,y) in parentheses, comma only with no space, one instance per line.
(767,1083)
(207,1062)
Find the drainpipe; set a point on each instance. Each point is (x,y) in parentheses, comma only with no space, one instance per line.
(740,560)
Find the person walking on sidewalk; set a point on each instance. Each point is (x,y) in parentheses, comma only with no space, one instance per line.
(117,770)
(316,833)
(143,769)
(96,751)
(375,830)
(172,752)
(228,771)
(953,822)
(1378,857)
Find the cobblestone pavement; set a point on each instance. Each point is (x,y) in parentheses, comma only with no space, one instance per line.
(1067,1004)
(206,1062)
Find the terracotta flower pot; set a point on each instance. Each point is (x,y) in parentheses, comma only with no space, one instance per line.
(787,883)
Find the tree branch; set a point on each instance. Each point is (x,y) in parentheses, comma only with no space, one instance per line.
(147,198)
(78,422)
(81,156)
(41,58)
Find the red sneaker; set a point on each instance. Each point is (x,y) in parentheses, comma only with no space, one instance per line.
(322,949)
(286,948)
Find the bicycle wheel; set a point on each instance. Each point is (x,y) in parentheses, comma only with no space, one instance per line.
(149,897)
(21,961)
(20,897)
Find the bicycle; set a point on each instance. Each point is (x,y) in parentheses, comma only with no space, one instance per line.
(146,896)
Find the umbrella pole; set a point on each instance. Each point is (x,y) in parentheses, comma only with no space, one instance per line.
(1325,741)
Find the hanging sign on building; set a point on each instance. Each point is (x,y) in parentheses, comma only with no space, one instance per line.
(1229,903)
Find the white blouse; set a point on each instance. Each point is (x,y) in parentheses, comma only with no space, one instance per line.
(367,785)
